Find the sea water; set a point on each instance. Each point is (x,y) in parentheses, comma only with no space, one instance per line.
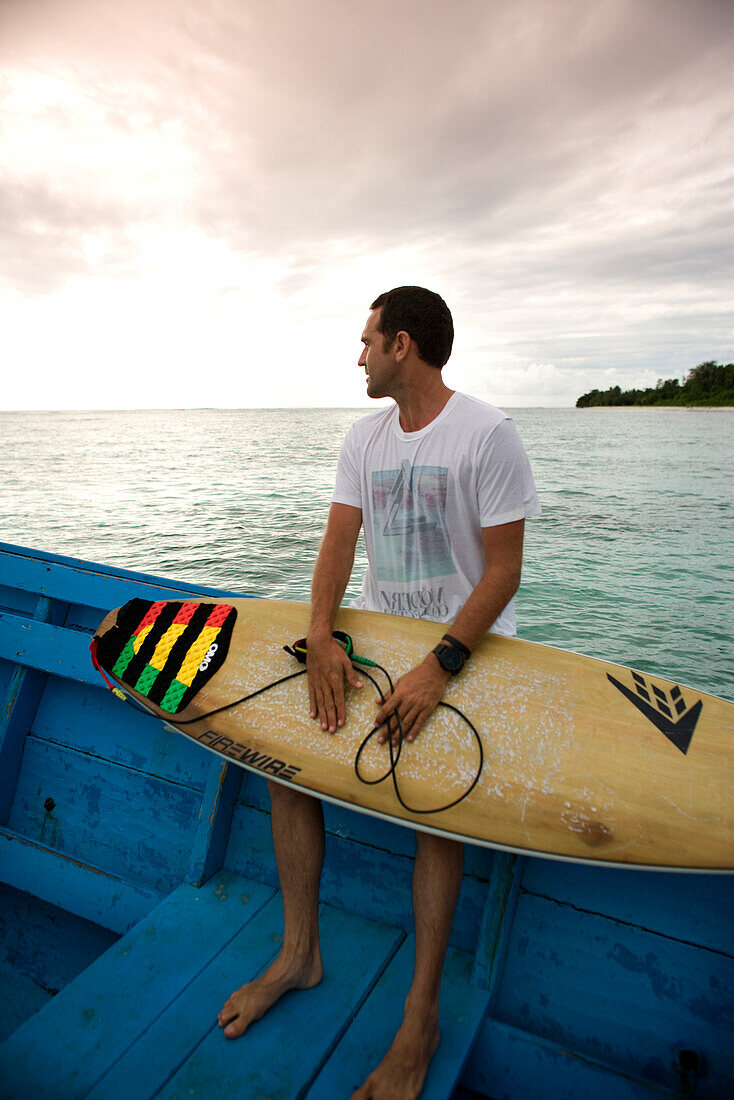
(631,560)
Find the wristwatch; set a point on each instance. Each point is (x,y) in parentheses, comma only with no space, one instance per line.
(451,654)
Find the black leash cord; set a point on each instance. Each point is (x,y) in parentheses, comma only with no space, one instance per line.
(244,699)
(394,755)
(210,713)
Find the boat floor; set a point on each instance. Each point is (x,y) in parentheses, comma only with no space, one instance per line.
(142,1019)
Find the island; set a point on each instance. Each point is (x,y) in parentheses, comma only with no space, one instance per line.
(708,384)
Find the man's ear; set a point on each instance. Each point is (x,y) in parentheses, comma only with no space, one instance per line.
(401,345)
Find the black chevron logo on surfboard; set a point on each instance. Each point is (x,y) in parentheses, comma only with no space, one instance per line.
(666,710)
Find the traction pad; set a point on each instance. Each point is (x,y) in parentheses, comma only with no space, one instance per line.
(167,651)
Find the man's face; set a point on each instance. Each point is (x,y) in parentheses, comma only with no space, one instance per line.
(379,364)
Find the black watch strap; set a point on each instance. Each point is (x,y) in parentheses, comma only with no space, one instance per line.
(458,645)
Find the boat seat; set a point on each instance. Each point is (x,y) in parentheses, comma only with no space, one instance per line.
(141,1020)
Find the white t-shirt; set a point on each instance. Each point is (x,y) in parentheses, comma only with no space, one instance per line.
(425,497)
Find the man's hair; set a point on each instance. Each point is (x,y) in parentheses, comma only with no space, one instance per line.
(423,315)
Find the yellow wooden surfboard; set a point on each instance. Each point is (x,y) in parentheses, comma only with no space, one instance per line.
(579,759)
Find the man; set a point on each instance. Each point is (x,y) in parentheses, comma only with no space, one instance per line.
(442,486)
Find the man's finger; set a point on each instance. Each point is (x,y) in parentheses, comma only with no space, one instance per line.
(353,678)
(328,711)
(385,726)
(326,686)
(387,707)
(397,733)
(340,707)
(410,718)
(416,726)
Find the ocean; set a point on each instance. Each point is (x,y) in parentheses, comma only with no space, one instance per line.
(631,561)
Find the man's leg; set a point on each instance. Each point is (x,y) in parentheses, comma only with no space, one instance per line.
(297,822)
(436,882)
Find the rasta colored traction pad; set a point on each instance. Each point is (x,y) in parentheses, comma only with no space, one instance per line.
(167,650)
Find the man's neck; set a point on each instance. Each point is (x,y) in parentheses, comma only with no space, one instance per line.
(418,408)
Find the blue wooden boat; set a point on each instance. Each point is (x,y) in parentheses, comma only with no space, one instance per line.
(138,888)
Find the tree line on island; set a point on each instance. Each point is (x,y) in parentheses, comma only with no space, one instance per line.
(707,384)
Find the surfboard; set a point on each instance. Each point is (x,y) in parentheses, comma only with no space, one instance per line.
(573,757)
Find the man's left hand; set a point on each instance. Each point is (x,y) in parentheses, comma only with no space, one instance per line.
(416,696)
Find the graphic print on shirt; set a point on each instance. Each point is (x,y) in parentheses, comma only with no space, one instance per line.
(409,523)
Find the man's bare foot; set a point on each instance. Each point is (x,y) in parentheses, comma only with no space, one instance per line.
(253,1000)
(401,1073)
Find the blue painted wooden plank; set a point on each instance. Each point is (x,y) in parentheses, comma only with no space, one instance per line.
(82,582)
(17,711)
(496,926)
(47,944)
(86,618)
(461,1013)
(85,586)
(49,648)
(100,724)
(126,822)
(279,1055)
(42,949)
(510,1064)
(215,817)
(13,599)
(167,1044)
(353,872)
(691,907)
(71,1042)
(149,1063)
(77,887)
(7,670)
(619,994)
(20,998)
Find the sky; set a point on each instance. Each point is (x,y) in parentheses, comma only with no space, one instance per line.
(199,199)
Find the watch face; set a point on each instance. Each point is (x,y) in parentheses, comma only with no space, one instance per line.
(451,659)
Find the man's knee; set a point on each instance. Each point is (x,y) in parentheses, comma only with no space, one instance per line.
(281,791)
(438,849)
(283,795)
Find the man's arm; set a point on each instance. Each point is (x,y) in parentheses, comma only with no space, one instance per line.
(326,661)
(418,693)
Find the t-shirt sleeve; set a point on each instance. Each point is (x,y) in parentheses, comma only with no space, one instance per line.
(505,485)
(348,486)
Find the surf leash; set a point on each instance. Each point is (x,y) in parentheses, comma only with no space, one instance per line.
(359,663)
(298,650)
(172,720)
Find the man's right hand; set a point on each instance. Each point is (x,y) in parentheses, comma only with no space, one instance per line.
(328,667)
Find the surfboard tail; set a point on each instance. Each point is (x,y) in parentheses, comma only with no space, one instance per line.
(166,650)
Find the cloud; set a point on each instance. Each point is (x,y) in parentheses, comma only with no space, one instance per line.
(559,171)
(546,384)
